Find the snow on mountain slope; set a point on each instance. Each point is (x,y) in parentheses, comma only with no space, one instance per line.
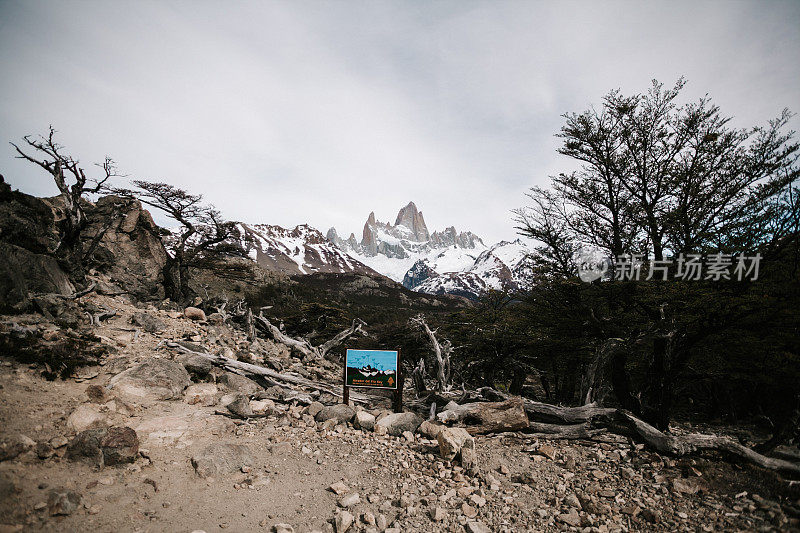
(438,262)
(301,250)
(504,266)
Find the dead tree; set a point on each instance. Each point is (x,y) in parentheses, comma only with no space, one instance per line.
(73,185)
(303,346)
(202,241)
(442,351)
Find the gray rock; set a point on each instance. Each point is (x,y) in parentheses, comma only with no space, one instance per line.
(397,423)
(474,526)
(148,322)
(63,502)
(197,365)
(339,412)
(154,379)
(222,458)
(85,447)
(240,406)
(237,383)
(11,447)
(364,420)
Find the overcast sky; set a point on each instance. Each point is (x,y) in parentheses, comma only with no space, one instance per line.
(320,112)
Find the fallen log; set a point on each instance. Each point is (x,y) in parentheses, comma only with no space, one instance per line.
(487,417)
(240,367)
(546,412)
(557,431)
(694,442)
(582,421)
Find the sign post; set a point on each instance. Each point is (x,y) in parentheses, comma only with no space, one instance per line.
(374,369)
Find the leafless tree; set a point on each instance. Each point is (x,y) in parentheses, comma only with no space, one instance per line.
(303,346)
(442,351)
(73,185)
(202,240)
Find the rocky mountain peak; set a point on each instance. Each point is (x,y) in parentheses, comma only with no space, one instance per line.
(412,219)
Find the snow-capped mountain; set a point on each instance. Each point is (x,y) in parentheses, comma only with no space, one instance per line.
(504,266)
(439,262)
(302,250)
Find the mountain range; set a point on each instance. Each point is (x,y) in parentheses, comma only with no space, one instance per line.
(441,262)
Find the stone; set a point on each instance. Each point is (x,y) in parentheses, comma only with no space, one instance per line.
(438,514)
(350,500)
(477,527)
(85,447)
(62,502)
(262,406)
(240,406)
(430,429)
(197,365)
(651,515)
(216,318)
(281,528)
(221,458)
(59,442)
(96,394)
(343,521)
(119,445)
(13,446)
(381,522)
(193,313)
(154,379)
(457,442)
(468,510)
(397,423)
(573,501)
(545,450)
(237,383)
(148,322)
(204,394)
(571,518)
(339,488)
(85,416)
(364,420)
(43,450)
(314,408)
(339,412)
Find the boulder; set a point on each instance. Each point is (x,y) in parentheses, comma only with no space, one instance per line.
(457,442)
(339,412)
(11,447)
(148,322)
(237,383)
(62,502)
(119,445)
(204,394)
(221,458)
(240,406)
(315,408)
(194,313)
(430,429)
(197,365)
(154,379)
(85,447)
(131,252)
(396,423)
(85,416)
(364,420)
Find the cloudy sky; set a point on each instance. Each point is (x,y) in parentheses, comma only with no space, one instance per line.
(320,112)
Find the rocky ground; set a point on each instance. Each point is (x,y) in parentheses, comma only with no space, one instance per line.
(70,464)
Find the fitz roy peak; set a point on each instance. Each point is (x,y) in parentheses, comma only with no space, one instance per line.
(442,262)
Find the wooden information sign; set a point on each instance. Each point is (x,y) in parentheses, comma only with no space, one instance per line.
(374,369)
